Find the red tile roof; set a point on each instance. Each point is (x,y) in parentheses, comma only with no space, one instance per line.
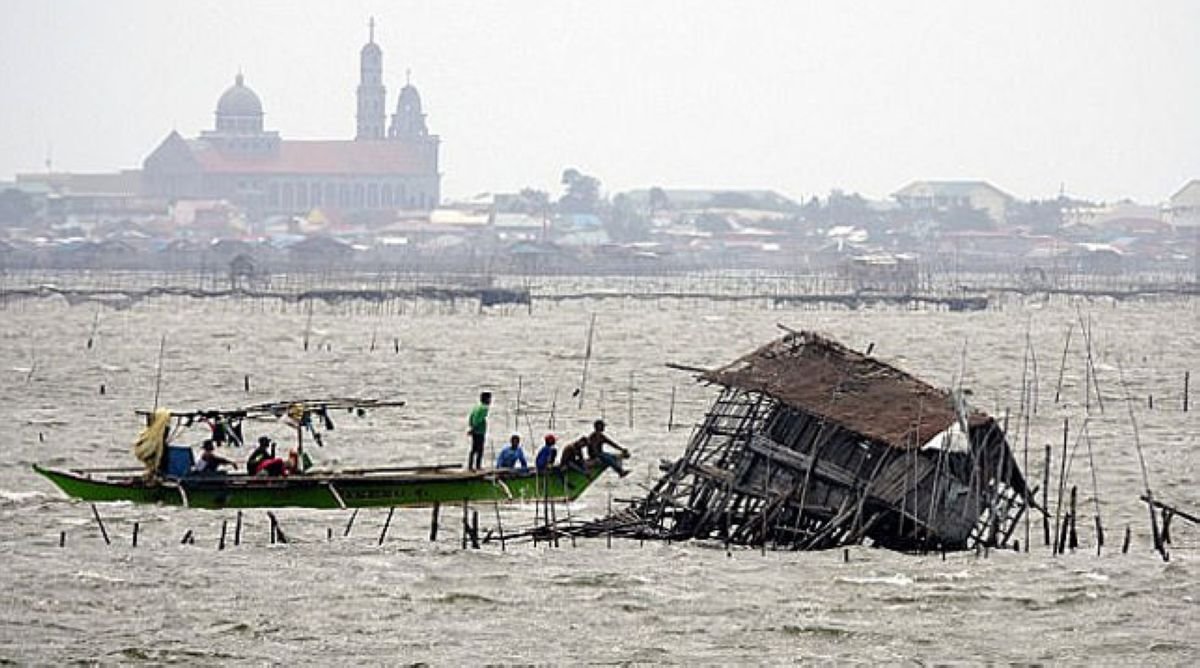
(317,157)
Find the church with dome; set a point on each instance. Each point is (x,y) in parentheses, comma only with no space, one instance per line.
(386,167)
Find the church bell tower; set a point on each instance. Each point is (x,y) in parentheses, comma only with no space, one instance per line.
(371,93)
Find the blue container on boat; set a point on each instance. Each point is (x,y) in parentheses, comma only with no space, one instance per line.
(179,460)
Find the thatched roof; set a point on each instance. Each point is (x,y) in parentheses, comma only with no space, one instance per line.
(824,378)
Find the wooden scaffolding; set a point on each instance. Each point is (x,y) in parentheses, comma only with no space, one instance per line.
(811,445)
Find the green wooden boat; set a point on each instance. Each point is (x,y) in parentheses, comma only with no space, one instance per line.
(399,487)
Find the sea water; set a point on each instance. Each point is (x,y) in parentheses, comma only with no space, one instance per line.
(349,599)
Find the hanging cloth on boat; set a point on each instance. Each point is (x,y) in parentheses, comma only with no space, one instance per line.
(150,443)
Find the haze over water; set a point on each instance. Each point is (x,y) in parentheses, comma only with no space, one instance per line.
(800,97)
(316,601)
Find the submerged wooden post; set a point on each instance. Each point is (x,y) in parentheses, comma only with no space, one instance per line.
(433,522)
(1187,376)
(1046,499)
(500,528)
(62,538)
(1062,484)
(631,400)
(237,529)
(1074,535)
(587,359)
(466,528)
(276,530)
(350,523)
(608,531)
(224,528)
(553,520)
(474,529)
(1125,543)
(187,538)
(671,410)
(386,524)
(135,534)
(517,408)
(103,531)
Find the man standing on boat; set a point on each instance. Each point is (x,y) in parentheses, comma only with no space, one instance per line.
(477,429)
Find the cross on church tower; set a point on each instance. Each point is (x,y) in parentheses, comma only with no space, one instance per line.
(371,93)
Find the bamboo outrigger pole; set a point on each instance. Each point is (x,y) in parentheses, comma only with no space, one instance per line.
(162,346)
(1148,497)
(587,359)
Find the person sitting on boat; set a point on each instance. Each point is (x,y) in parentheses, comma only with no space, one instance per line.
(545,456)
(263,460)
(595,443)
(512,455)
(572,455)
(297,461)
(210,462)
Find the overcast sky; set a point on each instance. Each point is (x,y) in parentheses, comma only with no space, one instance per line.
(800,97)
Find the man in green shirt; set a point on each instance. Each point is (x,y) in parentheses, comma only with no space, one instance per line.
(477,429)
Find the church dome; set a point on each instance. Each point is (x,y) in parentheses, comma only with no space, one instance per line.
(409,120)
(239,100)
(409,98)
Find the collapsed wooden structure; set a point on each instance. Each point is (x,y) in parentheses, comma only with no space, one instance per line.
(811,445)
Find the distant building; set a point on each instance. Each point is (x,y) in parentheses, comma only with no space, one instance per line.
(382,168)
(944,196)
(1184,208)
(68,195)
(682,199)
(1110,215)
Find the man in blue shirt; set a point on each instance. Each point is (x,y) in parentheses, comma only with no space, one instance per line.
(512,455)
(545,456)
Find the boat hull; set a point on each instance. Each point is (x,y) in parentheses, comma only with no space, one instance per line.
(328,491)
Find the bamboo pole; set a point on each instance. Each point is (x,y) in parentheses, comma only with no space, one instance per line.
(386,523)
(162,346)
(1187,376)
(1046,497)
(1062,481)
(587,359)
(100,522)
(466,528)
(1063,365)
(433,522)
(276,530)
(1095,494)
(1074,535)
(517,409)
(671,410)
(1137,442)
(500,528)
